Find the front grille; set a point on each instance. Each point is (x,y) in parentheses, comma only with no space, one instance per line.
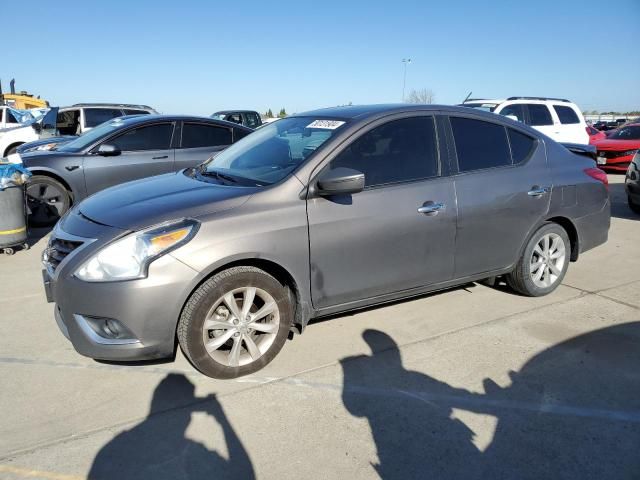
(57,250)
(612,154)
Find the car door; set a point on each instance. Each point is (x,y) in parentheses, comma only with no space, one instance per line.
(200,140)
(572,129)
(377,241)
(539,117)
(145,151)
(503,187)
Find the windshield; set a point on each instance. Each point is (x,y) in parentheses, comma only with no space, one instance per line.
(487,107)
(631,132)
(89,137)
(269,154)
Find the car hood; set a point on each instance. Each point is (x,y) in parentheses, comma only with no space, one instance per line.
(143,203)
(612,144)
(33,146)
(38,158)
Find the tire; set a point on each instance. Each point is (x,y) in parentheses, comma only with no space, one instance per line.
(235,336)
(554,262)
(633,206)
(48,200)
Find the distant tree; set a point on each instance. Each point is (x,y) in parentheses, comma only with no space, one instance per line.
(283,113)
(424,95)
(268,114)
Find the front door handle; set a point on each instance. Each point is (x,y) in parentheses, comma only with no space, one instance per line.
(431,208)
(537,191)
(160,158)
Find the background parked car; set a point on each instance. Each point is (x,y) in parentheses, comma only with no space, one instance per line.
(594,134)
(35,129)
(118,151)
(632,183)
(248,118)
(616,151)
(557,118)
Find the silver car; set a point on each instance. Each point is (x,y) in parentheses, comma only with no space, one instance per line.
(318,213)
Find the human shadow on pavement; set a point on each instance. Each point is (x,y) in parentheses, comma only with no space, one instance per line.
(572,411)
(157,448)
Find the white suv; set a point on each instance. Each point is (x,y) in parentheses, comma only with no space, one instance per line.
(559,119)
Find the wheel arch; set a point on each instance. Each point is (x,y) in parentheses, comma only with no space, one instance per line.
(52,174)
(572,232)
(280,273)
(10,146)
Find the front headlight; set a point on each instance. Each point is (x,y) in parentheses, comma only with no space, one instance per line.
(129,257)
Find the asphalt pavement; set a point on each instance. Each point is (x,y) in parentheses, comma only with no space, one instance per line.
(474,382)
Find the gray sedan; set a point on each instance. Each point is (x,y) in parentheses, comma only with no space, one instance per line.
(319,213)
(117,151)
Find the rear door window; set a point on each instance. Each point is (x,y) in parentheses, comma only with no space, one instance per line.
(515,110)
(480,144)
(398,151)
(151,137)
(195,135)
(566,114)
(234,117)
(539,115)
(95,116)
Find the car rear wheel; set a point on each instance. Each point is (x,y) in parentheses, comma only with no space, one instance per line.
(544,262)
(235,323)
(47,199)
(633,206)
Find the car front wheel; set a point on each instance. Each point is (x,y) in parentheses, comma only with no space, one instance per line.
(235,323)
(544,262)
(47,199)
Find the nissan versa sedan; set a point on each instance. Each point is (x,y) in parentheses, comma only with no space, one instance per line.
(117,151)
(318,213)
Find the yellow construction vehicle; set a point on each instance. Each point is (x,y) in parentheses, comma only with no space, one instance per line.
(21,100)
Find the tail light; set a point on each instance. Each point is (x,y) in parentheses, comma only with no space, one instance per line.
(599,175)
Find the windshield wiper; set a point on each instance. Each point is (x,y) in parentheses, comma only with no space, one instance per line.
(218,175)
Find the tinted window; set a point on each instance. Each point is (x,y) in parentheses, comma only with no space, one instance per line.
(479,144)
(95,116)
(11,118)
(631,132)
(252,120)
(397,151)
(196,135)
(515,110)
(521,145)
(234,117)
(153,137)
(539,115)
(128,111)
(566,114)
(238,133)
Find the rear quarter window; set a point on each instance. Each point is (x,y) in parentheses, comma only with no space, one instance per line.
(521,145)
(567,115)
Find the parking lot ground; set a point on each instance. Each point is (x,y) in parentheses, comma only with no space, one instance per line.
(474,382)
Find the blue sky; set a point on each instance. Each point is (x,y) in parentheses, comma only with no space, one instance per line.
(198,57)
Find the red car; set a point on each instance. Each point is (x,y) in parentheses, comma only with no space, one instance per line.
(595,135)
(616,151)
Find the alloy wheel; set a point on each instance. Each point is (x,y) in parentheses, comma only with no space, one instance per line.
(547,260)
(241,326)
(45,202)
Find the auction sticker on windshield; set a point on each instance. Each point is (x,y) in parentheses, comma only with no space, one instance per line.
(326,124)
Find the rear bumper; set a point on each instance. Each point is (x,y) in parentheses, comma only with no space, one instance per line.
(593,229)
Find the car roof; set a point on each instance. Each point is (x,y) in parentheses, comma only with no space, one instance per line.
(139,119)
(233,111)
(111,105)
(361,112)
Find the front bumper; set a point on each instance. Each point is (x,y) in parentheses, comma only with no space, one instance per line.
(617,164)
(148,308)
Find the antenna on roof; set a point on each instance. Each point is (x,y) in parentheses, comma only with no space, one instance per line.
(467,98)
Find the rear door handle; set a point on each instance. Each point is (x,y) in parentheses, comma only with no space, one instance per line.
(537,191)
(431,208)
(160,158)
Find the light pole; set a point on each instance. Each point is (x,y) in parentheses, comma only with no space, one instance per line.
(405,61)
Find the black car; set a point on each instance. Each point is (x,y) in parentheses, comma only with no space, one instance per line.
(632,183)
(118,151)
(248,118)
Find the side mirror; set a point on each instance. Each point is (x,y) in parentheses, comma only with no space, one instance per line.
(341,181)
(108,150)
